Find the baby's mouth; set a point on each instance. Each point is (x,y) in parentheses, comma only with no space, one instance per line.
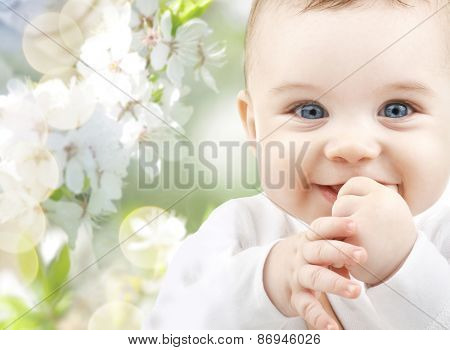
(335,188)
(331,188)
(330,191)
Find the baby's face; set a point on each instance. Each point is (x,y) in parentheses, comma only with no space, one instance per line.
(384,112)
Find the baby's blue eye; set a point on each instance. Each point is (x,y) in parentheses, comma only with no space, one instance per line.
(310,111)
(396,110)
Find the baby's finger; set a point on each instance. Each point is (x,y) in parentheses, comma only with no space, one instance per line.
(324,280)
(330,227)
(335,253)
(310,309)
(345,206)
(358,186)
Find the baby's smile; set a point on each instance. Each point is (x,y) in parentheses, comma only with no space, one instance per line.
(330,192)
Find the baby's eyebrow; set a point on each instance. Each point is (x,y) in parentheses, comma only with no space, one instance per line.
(291,86)
(409,86)
(404,86)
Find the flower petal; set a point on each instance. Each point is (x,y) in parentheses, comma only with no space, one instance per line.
(132,63)
(208,79)
(175,70)
(99,203)
(166,25)
(74,176)
(112,185)
(147,7)
(192,30)
(159,56)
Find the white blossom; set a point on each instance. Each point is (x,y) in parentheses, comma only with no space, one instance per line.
(142,122)
(21,119)
(94,152)
(13,199)
(65,107)
(22,221)
(143,10)
(212,55)
(171,104)
(147,7)
(116,74)
(35,169)
(180,51)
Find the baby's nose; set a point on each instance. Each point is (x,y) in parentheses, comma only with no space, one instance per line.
(352,149)
(352,152)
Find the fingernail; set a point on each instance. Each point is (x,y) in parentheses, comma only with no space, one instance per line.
(351,226)
(351,289)
(358,254)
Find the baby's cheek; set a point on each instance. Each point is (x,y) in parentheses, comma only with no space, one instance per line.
(432,170)
(274,173)
(422,196)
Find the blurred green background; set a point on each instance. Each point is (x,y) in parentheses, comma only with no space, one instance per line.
(215,118)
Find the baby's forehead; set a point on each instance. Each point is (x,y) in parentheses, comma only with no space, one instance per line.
(289,44)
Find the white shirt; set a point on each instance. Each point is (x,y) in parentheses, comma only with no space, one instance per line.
(215,279)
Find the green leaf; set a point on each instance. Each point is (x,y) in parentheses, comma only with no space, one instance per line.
(13,311)
(57,194)
(28,263)
(157,95)
(192,9)
(86,184)
(61,192)
(153,77)
(63,305)
(13,304)
(185,10)
(57,273)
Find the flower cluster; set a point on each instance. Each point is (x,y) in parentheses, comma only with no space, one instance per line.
(112,74)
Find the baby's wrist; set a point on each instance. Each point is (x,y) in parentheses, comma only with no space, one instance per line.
(275,279)
(389,275)
(377,283)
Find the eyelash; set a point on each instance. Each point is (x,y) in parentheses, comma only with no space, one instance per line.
(410,105)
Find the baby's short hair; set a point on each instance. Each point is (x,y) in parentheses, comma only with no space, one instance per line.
(302,6)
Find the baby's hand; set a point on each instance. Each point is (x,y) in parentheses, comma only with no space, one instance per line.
(384,226)
(296,271)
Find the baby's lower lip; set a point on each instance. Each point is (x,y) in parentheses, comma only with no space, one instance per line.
(328,193)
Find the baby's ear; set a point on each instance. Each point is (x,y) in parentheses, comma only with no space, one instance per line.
(246,113)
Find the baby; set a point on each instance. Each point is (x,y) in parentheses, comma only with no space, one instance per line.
(360,237)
